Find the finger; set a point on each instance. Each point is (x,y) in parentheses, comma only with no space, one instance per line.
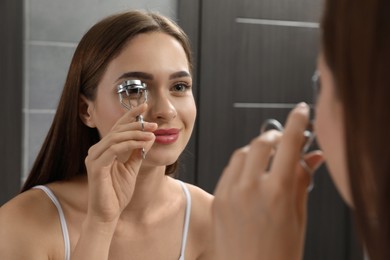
(314,160)
(133,162)
(120,151)
(148,127)
(232,171)
(304,177)
(289,150)
(149,143)
(114,138)
(110,155)
(260,152)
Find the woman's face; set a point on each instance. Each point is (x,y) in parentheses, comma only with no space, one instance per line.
(329,127)
(159,61)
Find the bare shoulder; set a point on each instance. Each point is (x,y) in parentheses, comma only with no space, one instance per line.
(26,222)
(200,197)
(201,220)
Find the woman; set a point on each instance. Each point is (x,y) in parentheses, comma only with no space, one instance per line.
(262,215)
(101,198)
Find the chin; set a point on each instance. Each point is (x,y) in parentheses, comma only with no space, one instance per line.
(154,159)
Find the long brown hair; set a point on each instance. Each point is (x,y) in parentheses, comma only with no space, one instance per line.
(356,45)
(68,140)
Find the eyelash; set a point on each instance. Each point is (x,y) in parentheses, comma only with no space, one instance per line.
(184,84)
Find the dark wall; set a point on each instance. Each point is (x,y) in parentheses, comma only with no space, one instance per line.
(189,20)
(11,80)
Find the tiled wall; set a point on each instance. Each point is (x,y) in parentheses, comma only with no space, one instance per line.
(52,30)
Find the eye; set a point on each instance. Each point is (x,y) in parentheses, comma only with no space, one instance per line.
(181,87)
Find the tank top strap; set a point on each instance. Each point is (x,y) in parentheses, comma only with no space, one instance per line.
(186,219)
(64,227)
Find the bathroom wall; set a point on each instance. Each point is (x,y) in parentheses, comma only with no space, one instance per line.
(52,31)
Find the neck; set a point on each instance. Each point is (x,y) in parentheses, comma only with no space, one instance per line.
(148,193)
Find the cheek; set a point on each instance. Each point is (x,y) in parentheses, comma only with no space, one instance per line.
(189,112)
(321,125)
(186,111)
(107,114)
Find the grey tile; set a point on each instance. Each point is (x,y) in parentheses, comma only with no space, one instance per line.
(39,125)
(67,21)
(297,10)
(47,70)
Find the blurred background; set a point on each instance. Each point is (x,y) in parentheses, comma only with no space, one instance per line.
(253,60)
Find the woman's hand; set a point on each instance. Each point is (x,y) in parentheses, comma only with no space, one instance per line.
(260,213)
(113,164)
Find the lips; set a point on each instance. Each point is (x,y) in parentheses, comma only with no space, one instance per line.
(166,136)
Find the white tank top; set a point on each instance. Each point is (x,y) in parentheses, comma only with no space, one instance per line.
(64,227)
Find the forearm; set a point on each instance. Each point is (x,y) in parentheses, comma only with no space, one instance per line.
(94,242)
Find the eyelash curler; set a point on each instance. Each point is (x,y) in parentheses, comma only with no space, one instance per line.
(133,93)
(309,136)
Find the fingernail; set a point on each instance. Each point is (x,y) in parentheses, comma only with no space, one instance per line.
(151,125)
(246,148)
(302,105)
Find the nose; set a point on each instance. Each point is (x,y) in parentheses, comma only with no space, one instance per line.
(161,107)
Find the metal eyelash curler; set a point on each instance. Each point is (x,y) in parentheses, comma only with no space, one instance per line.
(309,135)
(133,93)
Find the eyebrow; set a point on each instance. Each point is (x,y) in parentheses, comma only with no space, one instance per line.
(135,74)
(147,76)
(179,74)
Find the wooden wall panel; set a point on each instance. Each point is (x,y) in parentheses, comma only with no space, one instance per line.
(11,75)
(255,60)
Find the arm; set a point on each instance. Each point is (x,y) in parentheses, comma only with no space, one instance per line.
(17,243)
(18,248)
(94,241)
(26,229)
(260,214)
